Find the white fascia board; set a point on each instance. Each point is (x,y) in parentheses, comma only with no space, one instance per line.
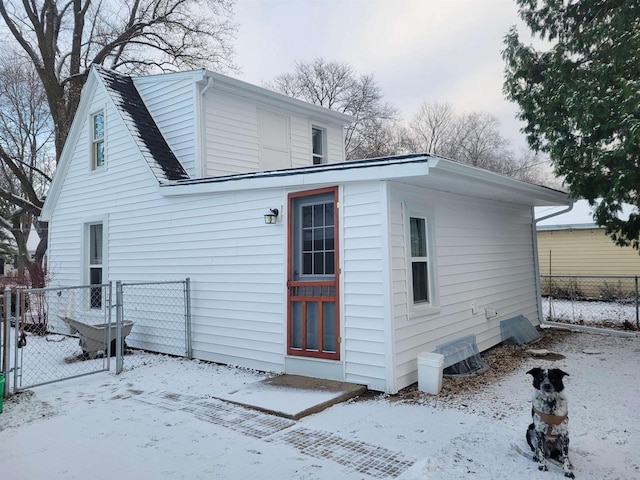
(545,195)
(193,75)
(255,93)
(282,179)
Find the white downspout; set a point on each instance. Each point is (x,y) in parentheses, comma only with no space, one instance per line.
(202,164)
(536,261)
(568,326)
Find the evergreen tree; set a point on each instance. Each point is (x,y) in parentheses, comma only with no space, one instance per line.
(580,99)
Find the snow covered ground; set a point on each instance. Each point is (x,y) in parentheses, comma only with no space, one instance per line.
(604,314)
(161,420)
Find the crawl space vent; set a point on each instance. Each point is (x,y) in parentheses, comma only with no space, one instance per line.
(518,330)
(462,358)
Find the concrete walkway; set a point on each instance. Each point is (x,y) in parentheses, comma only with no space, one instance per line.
(364,458)
(293,396)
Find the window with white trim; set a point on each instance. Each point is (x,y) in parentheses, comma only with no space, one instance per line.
(420,276)
(97,140)
(95,264)
(318,142)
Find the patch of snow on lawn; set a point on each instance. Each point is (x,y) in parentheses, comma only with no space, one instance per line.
(105,426)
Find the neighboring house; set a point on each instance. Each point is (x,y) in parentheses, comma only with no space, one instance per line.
(6,268)
(572,244)
(366,265)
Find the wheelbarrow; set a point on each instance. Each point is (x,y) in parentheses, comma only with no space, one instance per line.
(93,338)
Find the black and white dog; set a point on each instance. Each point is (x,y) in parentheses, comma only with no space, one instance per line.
(548,435)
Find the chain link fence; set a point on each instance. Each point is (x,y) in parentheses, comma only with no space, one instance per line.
(161,316)
(606,301)
(43,347)
(52,334)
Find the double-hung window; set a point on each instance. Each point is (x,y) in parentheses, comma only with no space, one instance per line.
(95,264)
(419,260)
(97,140)
(318,141)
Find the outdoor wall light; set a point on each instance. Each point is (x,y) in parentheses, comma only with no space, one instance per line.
(271,217)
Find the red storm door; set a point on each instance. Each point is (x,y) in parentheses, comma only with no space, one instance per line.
(313,325)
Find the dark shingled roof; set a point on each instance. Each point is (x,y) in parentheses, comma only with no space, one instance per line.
(162,161)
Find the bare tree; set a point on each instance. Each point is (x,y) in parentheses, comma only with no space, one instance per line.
(62,41)
(432,128)
(480,143)
(535,167)
(472,138)
(336,86)
(26,155)
(384,138)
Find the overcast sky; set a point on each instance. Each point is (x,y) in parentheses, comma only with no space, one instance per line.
(447,50)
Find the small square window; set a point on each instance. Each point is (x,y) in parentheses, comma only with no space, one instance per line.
(97,140)
(318,143)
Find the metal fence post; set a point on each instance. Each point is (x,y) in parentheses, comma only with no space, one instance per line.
(637,311)
(16,350)
(119,317)
(6,339)
(187,309)
(109,319)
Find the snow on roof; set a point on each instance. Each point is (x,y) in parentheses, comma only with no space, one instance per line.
(153,146)
(580,216)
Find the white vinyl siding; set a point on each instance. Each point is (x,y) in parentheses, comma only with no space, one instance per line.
(231,133)
(300,142)
(231,257)
(364,281)
(171,102)
(274,140)
(233,136)
(484,256)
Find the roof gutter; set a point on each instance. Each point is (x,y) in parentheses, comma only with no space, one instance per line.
(562,325)
(568,209)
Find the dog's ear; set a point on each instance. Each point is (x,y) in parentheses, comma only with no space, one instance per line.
(559,373)
(534,371)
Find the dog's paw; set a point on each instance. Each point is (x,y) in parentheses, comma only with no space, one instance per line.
(569,475)
(542,468)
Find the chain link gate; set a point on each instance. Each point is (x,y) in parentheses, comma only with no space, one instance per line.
(40,346)
(58,333)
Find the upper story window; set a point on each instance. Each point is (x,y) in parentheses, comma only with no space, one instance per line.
(318,139)
(419,261)
(97,140)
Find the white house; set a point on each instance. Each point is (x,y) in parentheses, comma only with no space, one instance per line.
(366,265)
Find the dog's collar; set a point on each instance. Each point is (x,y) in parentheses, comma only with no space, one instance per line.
(550,419)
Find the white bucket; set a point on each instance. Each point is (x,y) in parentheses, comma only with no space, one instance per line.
(430,372)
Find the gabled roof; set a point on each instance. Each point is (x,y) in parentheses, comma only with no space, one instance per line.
(153,146)
(250,92)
